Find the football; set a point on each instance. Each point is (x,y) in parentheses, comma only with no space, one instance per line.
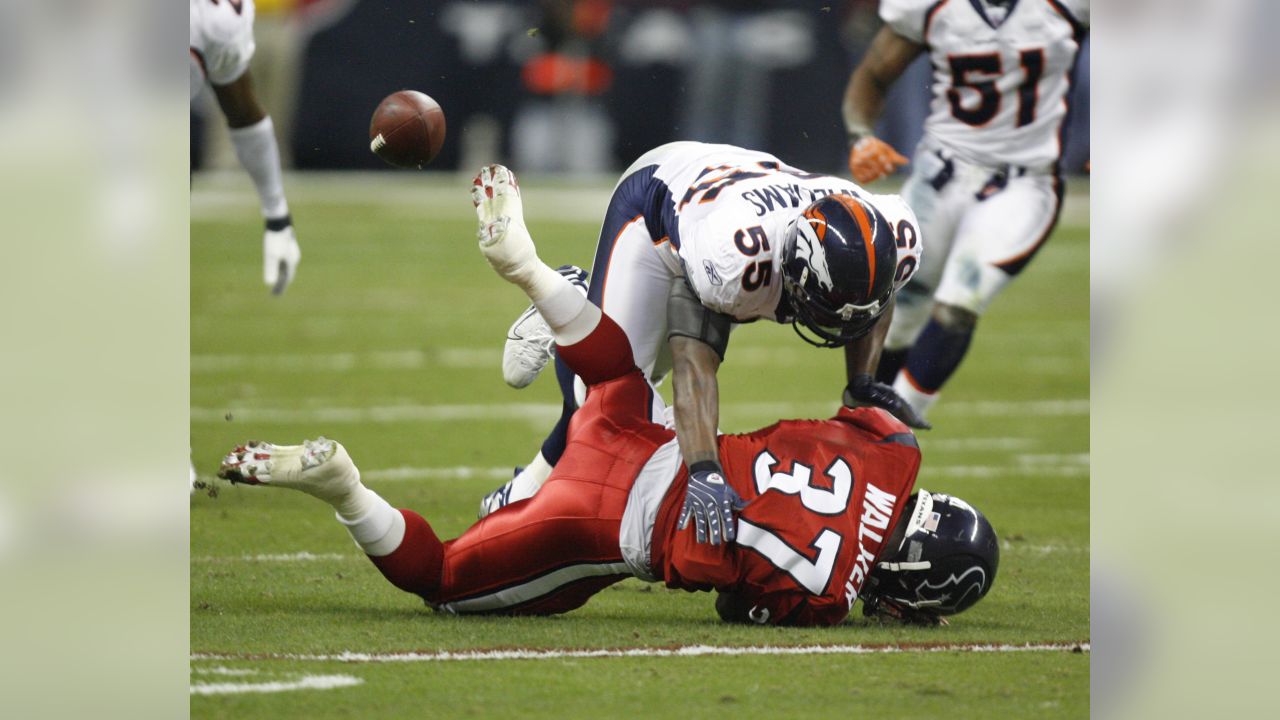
(407,129)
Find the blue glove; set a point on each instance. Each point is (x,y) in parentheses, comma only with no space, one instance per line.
(712,504)
(863,391)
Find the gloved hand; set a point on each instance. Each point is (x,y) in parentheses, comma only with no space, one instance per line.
(872,158)
(712,504)
(864,391)
(280,257)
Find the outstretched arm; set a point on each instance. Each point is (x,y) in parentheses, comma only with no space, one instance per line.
(697,399)
(884,62)
(863,355)
(698,337)
(860,360)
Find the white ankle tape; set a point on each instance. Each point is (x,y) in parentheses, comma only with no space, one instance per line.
(379,532)
(543,283)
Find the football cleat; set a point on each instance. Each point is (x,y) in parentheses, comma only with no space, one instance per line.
(504,239)
(530,341)
(496,500)
(321,467)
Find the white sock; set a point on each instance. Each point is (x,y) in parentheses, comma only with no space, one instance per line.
(260,156)
(920,400)
(379,529)
(530,480)
(569,314)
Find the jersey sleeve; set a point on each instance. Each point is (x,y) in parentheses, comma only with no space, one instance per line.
(229,44)
(906,230)
(1079,10)
(906,17)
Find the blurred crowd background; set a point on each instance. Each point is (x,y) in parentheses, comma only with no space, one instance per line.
(577,86)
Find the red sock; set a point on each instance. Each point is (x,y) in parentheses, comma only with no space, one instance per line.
(416,565)
(603,355)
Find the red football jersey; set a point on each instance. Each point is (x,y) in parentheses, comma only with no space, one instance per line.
(823,496)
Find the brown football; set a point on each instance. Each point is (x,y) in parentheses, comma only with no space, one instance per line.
(407,129)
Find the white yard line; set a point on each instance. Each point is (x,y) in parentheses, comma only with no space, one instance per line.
(215,194)
(306,682)
(461,472)
(1000,471)
(683,651)
(545,412)
(278,557)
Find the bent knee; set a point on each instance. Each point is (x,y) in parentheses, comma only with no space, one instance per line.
(955,318)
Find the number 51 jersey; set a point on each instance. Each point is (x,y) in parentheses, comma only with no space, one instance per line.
(1001,76)
(823,497)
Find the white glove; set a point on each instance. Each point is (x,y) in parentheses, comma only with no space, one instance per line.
(280,257)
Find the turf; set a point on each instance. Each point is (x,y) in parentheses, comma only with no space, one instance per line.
(390,341)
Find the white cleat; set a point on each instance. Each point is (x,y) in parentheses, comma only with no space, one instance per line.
(530,342)
(504,239)
(320,467)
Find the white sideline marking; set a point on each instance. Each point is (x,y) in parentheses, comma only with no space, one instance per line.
(485,357)
(306,682)
(461,472)
(546,413)
(1006,546)
(977,443)
(455,357)
(278,557)
(224,671)
(996,471)
(216,193)
(685,651)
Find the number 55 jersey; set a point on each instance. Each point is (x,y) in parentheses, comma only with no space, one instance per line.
(823,498)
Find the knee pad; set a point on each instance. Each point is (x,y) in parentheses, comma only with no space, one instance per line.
(955,319)
(910,313)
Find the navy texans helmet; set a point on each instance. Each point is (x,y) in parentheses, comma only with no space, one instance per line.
(946,561)
(838,263)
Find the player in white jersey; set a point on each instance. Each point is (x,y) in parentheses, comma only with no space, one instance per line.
(985,181)
(699,237)
(221,48)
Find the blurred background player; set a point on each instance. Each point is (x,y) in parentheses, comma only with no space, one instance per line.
(221,47)
(621,499)
(698,237)
(986,180)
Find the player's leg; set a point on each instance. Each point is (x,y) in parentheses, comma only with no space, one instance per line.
(400,543)
(929,194)
(630,281)
(995,240)
(543,557)
(253,136)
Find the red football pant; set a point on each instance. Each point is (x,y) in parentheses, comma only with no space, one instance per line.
(548,554)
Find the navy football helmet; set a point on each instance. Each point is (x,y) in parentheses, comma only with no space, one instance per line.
(838,262)
(945,562)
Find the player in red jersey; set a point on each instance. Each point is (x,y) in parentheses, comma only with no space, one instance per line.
(818,512)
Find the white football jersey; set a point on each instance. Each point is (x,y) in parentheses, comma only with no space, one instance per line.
(1001,76)
(221,41)
(732,211)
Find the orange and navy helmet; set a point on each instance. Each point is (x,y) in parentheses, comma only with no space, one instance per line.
(838,262)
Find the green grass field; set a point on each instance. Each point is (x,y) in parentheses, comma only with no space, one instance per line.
(390,341)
